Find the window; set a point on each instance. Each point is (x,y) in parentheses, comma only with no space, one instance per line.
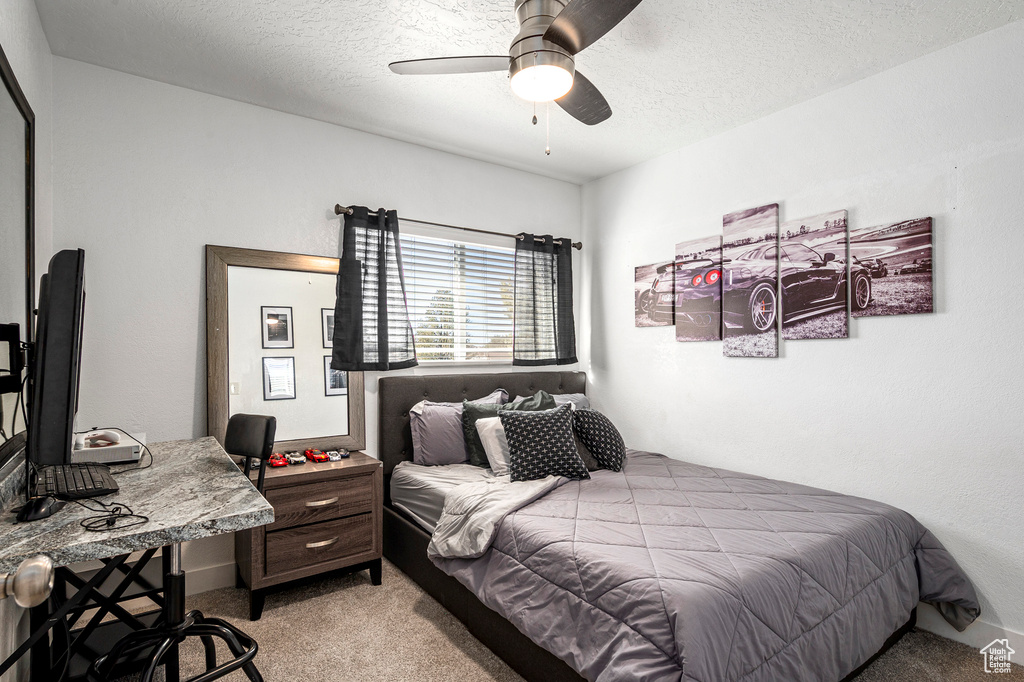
(801,253)
(460,299)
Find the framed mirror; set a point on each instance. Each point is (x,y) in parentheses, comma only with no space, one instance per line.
(270,325)
(17,232)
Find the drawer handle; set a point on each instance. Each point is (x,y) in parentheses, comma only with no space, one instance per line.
(322,503)
(322,543)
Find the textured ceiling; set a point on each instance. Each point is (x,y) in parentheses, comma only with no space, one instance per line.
(674,71)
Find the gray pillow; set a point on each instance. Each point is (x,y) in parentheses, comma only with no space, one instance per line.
(492,435)
(471,412)
(437,430)
(578,400)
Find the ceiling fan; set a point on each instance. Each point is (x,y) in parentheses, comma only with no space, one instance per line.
(541,60)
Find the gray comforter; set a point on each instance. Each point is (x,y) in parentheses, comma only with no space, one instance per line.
(673,571)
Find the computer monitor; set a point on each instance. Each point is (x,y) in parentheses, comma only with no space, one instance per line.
(54,364)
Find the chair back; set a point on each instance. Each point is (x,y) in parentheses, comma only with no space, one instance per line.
(251,436)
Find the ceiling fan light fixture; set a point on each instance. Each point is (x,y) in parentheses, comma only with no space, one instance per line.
(542,83)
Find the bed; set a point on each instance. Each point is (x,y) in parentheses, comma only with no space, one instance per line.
(748,596)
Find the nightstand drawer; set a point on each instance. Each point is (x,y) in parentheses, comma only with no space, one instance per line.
(303,504)
(295,548)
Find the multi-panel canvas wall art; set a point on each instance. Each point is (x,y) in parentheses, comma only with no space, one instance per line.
(750,274)
(698,295)
(804,277)
(653,295)
(899,259)
(812,277)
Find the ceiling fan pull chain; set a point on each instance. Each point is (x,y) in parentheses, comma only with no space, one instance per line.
(547,116)
(534,113)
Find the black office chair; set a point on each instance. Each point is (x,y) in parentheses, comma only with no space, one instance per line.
(252,437)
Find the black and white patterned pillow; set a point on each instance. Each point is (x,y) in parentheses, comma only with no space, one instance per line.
(541,444)
(601,437)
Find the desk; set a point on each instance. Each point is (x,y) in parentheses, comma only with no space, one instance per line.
(192,490)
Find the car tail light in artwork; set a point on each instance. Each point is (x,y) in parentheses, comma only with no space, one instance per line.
(709,278)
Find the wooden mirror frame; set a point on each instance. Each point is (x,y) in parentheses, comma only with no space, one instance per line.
(21,102)
(218,259)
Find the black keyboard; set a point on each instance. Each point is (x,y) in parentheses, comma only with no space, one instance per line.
(75,481)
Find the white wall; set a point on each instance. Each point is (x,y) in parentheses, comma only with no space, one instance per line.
(25,45)
(146,174)
(922,412)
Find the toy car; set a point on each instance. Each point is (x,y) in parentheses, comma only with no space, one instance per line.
(278,460)
(295,458)
(336,456)
(315,455)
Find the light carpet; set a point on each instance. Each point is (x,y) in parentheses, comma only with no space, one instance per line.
(344,629)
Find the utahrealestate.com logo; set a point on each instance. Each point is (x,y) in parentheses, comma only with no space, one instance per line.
(997,656)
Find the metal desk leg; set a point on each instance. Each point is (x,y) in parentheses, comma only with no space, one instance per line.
(174,605)
(40,660)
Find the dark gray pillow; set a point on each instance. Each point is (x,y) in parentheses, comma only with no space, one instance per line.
(541,444)
(601,437)
(437,430)
(578,400)
(472,412)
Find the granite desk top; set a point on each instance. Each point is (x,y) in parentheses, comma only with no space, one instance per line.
(193,490)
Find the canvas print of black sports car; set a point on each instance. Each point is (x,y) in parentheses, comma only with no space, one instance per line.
(750,275)
(698,295)
(900,257)
(812,277)
(652,295)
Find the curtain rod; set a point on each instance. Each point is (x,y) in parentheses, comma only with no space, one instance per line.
(346,210)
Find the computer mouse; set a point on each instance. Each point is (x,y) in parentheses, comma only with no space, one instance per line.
(40,508)
(98,439)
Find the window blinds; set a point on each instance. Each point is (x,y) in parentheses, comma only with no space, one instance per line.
(460,299)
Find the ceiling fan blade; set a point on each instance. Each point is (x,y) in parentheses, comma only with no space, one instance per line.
(444,65)
(583,22)
(585,102)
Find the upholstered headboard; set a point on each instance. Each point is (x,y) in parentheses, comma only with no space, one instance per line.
(397,394)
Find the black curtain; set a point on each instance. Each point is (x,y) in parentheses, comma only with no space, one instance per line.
(545,331)
(371,319)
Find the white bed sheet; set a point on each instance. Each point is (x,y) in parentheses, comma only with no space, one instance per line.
(420,490)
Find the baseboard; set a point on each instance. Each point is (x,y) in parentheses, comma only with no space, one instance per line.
(208,578)
(197,580)
(978,634)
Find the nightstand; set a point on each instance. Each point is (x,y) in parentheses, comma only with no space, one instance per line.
(327,516)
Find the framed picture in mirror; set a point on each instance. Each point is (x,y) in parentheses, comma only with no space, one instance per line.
(328,326)
(335,380)
(276,323)
(279,378)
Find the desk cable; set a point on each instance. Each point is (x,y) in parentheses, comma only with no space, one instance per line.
(108,515)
